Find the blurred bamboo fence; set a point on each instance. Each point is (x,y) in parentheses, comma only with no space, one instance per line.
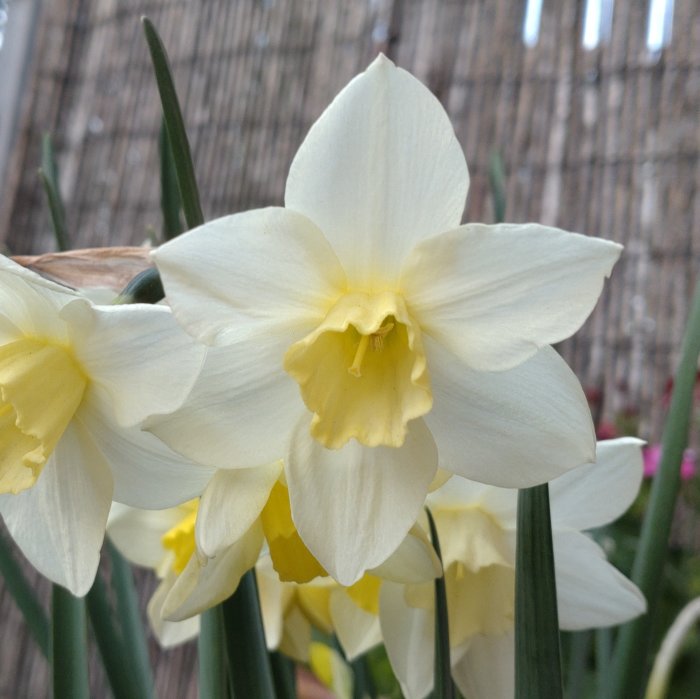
(602,141)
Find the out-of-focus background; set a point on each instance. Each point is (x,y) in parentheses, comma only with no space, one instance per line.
(592,105)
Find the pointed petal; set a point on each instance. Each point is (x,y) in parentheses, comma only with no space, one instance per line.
(200,587)
(596,494)
(357,630)
(137,355)
(494,295)
(274,600)
(60,522)
(487,669)
(514,428)
(414,561)
(353,506)
(241,276)
(146,472)
(380,170)
(232,501)
(138,533)
(220,422)
(169,633)
(591,593)
(408,635)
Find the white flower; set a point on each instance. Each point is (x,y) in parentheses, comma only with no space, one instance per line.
(366,336)
(75,379)
(476,527)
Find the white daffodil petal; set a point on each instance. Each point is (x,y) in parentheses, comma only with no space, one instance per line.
(146,472)
(169,633)
(231,502)
(138,533)
(514,428)
(137,354)
(353,506)
(596,494)
(408,635)
(274,599)
(356,629)
(414,561)
(494,295)
(240,276)
(200,587)
(380,170)
(241,410)
(60,522)
(487,669)
(591,593)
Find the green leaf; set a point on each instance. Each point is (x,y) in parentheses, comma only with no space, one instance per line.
(537,655)
(20,589)
(443,687)
(580,646)
(170,202)
(145,287)
(48,173)
(175,126)
(497,180)
(630,660)
(283,675)
(109,641)
(69,646)
(211,651)
(130,622)
(248,661)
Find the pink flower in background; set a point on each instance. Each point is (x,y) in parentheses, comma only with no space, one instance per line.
(652,458)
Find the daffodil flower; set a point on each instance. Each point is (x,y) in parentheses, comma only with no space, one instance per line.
(369,337)
(75,379)
(476,527)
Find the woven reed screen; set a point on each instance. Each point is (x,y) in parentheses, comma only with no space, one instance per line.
(601,141)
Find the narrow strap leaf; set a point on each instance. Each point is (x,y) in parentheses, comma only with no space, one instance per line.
(629,665)
(69,646)
(23,594)
(48,173)
(170,202)
(248,660)
(537,654)
(497,182)
(145,287)
(443,687)
(211,650)
(130,621)
(283,675)
(175,125)
(109,641)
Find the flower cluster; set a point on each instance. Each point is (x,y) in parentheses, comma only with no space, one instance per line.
(318,371)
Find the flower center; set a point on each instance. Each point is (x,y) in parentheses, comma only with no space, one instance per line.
(41,387)
(180,539)
(290,557)
(363,371)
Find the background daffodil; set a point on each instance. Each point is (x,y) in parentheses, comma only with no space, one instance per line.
(75,379)
(367,337)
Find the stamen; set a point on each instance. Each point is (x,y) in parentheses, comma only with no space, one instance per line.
(378,337)
(354,368)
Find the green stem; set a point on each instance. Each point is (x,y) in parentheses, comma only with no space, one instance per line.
(130,619)
(212,655)
(283,675)
(248,661)
(48,172)
(69,646)
(630,660)
(109,640)
(578,662)
(20,589)
(537,654)
(443,686)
